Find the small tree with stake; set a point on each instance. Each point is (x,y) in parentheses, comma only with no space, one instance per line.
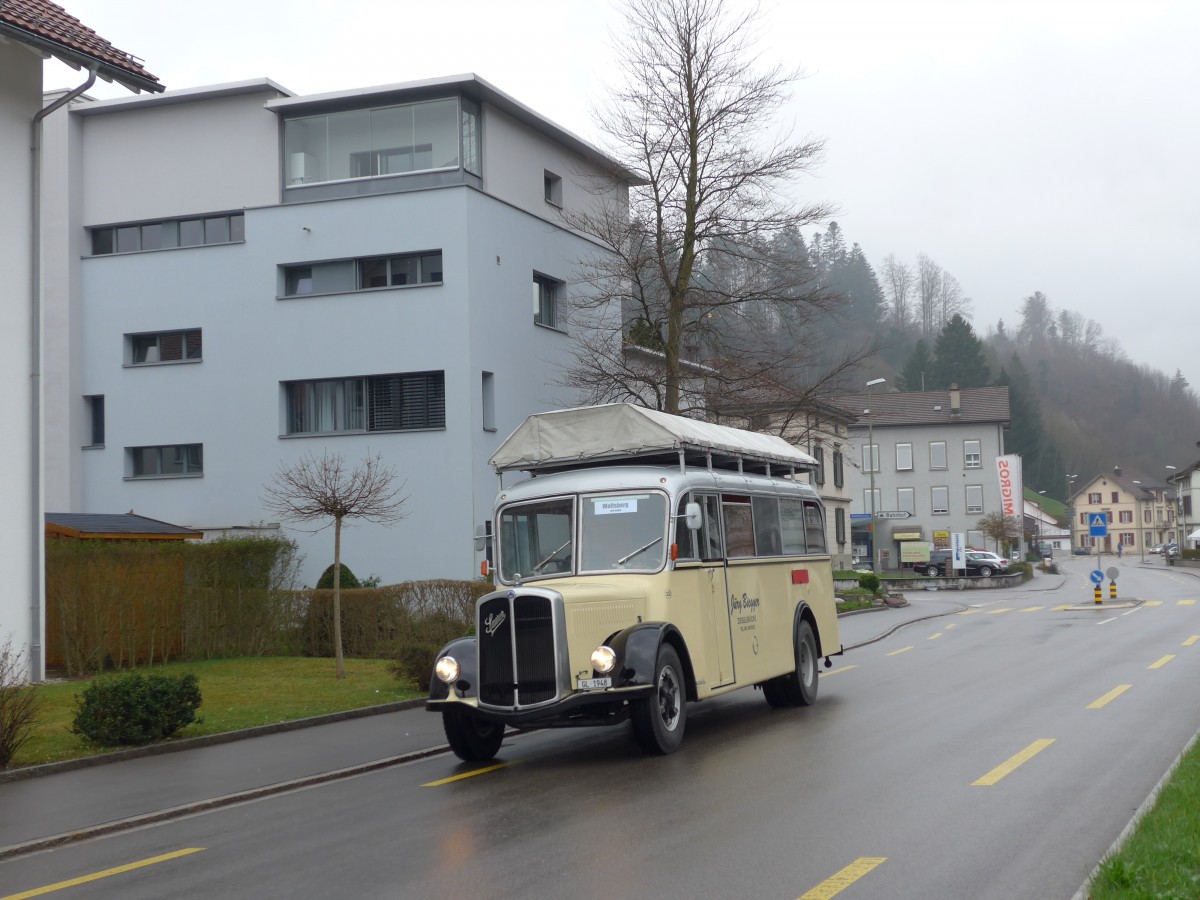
(317,488)
(1000,528)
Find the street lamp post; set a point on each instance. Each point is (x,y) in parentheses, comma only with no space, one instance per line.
(1038,540)
(874,466)
(1071,511)
(1139,525)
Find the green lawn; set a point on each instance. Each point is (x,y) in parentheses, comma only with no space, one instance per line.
(237,693)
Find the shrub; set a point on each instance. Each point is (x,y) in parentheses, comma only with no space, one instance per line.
(869,581)
(135,708)
(414,662)
(19,705)
(349,580)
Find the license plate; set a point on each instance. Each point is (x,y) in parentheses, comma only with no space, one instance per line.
(595,684)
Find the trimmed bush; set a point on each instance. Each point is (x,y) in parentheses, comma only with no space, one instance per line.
(869,581)
(349,579)
(136,709)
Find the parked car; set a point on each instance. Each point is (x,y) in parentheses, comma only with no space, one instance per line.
(1171,550)
(1157,548)
(979,562)
(1082,551)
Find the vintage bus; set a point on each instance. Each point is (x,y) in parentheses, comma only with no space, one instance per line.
(650,560)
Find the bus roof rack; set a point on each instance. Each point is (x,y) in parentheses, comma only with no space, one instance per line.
(622,433)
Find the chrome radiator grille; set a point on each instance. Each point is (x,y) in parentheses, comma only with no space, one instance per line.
(517,655)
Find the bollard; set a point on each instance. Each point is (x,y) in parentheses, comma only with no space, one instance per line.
(1098,600)
(1112,590)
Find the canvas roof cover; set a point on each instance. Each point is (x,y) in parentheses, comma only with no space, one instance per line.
(624,432)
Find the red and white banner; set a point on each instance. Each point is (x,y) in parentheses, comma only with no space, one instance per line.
(1008,468)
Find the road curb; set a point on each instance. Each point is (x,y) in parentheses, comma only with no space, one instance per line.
(208,740)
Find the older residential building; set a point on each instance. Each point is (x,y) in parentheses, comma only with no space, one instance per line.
(1138,513)
(933,464)
(262,276)
(30,31)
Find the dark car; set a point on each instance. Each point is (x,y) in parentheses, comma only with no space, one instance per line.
(941,562)
(1083,551)
(1171,550)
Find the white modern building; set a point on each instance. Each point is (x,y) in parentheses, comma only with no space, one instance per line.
(31,32)
(256,276)
(935,472)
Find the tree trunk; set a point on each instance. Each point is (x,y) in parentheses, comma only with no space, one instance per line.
(337,598)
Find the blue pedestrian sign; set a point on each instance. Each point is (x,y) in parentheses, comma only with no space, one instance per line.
(1098,525)
(1097,576)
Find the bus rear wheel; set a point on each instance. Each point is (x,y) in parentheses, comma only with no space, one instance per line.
(658,721)
(798,688)
(472,739)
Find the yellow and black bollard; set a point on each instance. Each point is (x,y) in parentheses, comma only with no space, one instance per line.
(1112,590)
(1098,600)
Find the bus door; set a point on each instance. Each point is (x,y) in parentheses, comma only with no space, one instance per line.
(707,584)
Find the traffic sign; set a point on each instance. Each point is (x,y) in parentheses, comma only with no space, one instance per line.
(893,514)
(1097,576)
(1098,525)
(1112,572)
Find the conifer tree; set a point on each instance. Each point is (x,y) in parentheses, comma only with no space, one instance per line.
(918,369)
(958,358)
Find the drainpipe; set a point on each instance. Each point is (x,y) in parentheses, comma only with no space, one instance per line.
(37,665)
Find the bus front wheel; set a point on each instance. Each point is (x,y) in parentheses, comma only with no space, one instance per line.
(658,721)
(472,739)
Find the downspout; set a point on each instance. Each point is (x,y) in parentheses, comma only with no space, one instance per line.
(37,665)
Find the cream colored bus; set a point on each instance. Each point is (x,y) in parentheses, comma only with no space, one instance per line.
(650,560)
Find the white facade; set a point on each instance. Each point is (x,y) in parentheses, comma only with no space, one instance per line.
(260,323)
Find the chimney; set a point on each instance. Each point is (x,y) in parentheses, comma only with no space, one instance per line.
(1117,471)
(955,402)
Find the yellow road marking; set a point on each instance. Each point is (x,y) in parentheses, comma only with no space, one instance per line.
(1032,608)
(835,671)
(969,612)
(1152,603)
(934,637)
(1060,608)
(992,612)
(1162,662)
(1191,640)
(1012,762)
(1111,695)
(901,650)
(951,625)
(837,883)
(96,876)
(461,777)
(1186,603)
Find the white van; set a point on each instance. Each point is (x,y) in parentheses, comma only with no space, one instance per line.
(649,561)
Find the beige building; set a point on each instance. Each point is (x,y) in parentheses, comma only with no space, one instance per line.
(1139,513)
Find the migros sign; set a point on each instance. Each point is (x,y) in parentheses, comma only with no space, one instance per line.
(1008,468)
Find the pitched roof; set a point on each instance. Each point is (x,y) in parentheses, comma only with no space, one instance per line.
(51,30)
(989,404)
(114,524)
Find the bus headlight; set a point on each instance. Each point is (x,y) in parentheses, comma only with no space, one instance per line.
(604,659)
(447,669)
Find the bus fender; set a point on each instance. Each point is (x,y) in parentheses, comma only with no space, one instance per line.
(804,611)
(465,652)
(637,653)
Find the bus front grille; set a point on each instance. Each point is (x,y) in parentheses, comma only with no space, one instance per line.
(516,652)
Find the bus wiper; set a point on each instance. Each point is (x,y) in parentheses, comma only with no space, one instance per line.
(553,553)
(625,559)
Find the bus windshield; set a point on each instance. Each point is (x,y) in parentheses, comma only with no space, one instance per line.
(623,531)
(536,539)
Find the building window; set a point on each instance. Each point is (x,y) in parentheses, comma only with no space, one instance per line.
(545,300)
(904,458)
(400,402)
(95,404)
(1095,498)
(165,347)
(937,455)
(818,453)
(1128,538)
(839,525)
(974,498)
(839,471)
(388,140)
(972,458)
(167,461)
(906,500)
(489,401)
(169,233)
(1126,516)
(940,497)
(367,273)
(870,458)
(552,186)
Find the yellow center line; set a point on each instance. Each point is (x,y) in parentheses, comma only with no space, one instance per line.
(992,612)
(901,650)
(951,625)
(1111,695)
(96,876)
(1162,662)
(1012,762)
(1186,603)
(837,883)
(1152,603)
(461,777)
(934,637)
(1032,608)
(835,671)
(969,612)
(1060,608)
(1191,640)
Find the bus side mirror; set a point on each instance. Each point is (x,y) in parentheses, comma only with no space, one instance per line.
(693,516)
(480,537)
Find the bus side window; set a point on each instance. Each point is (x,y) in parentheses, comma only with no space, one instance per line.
(814,527)
(766,526)
(685,538)
(791,516)
(709,535)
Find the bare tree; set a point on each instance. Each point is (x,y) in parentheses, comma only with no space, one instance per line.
(698,261)
(20,703)
(313,489)
(898,281)
(951,300)
(929,281)
(1000,528)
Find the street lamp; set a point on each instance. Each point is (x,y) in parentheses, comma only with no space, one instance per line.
(1038,547)
(1071,510)
(874,466)
(1178,509)
(1137,511)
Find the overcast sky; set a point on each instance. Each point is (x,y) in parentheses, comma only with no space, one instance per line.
(1024,146)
